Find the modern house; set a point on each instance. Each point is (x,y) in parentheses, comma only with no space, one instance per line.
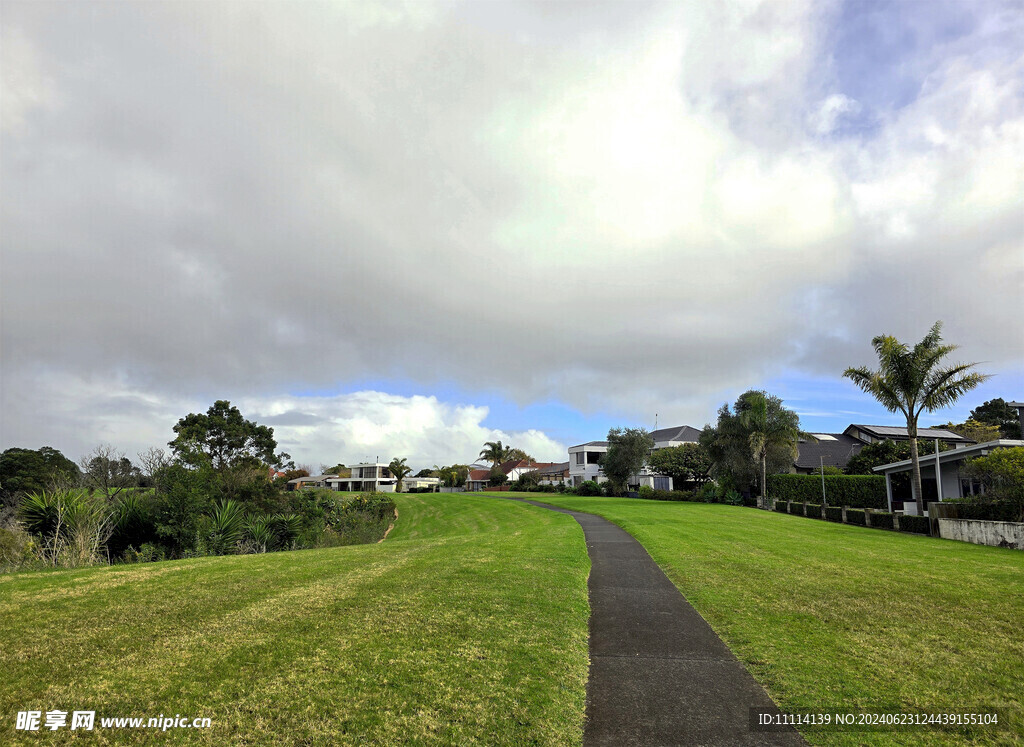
(408,483)
(825,449)
(365,478)
(945,468)
(584,459)
(871,433)
(310,481)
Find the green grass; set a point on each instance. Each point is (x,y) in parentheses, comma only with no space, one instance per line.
(838,617)
(468,625)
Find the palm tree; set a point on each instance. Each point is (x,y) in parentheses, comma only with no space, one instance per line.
(494,452)
(399,469)
(769,425)
(910,381)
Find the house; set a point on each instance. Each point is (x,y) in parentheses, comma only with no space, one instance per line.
(552,474)
(946,468)
(871,433)
(365,478)
(825,449)
(478,479)
(409,483)
(584,459)
(310,481)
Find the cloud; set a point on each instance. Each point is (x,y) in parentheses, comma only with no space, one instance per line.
(625,212)
(75,414)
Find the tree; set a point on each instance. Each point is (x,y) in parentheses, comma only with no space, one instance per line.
(876,454)
(31,471)
(628,449)
(683,463)
(731,443)
(912,381)
(1002,474)
(518,455)
(496,477)
(770,427)
(996,412)
(151,461)
(339,469)
(226,438)
(428,472)
(109,471)
(399,469)
(972,429)
(494,452)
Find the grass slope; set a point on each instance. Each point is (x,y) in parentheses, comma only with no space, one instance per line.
(468,625)
(846,618)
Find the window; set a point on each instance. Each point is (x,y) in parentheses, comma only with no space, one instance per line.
(579,457)
(593,457)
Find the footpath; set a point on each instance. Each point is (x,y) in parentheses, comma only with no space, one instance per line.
(659,675)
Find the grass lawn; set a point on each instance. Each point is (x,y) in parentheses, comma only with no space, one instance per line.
(468,625)
(844,618)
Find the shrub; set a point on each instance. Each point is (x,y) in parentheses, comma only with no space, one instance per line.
(646,492)
(832,513)
(796,507)
(588,488)
(881,519)
(814,510)
(915,524)
(859,491)
(985,510)
(17,549)
(781,506)
(855,517)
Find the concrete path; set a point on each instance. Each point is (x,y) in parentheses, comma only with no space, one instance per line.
(659,675)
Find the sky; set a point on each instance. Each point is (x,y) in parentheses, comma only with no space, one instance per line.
(407,228)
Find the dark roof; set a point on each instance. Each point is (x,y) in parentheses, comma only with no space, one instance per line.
(479,474)
(676,433)
(590,443)
(510,465)
(835,449)
(900,434)
(552,469)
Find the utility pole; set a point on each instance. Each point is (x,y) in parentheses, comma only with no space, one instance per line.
(822,460)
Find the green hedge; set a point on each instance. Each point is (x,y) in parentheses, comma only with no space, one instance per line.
(986,510)
(881,520)
(650,494)
(855,517)
(833,514)
(780,506)
(915,524)
(814,510)
(858,491)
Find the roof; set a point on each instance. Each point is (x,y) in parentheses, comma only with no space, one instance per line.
(894,432)
(512,464)
(832,449)
(311,478)
(552,469)
(952,455)
(479,474)
(676,433)
(590,443)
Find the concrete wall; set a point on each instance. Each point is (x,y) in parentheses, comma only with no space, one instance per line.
(995,533)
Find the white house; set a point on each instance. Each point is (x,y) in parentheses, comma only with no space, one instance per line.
(365,478)
(421,482)
(584,459)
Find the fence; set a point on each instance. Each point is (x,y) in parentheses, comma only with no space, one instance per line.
(940,522)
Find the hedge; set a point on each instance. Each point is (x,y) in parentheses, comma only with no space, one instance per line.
(858,491)
(814,510)
(915,524)
(986,510)
(781,507)
(833,514)
(648,493)
(881,520)
(855,517)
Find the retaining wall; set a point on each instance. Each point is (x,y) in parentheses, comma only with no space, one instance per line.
(996,533)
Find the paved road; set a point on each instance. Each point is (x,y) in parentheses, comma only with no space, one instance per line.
(659,675)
